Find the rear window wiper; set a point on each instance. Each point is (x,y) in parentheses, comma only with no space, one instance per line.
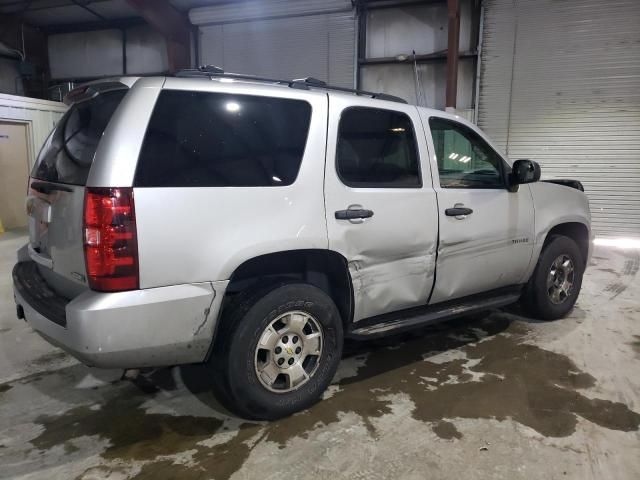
(44,187)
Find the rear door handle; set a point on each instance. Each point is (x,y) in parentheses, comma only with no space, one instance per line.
(458,211)
(353,214)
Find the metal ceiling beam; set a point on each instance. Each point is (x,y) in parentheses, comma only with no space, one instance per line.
(453,9)
(161,15)
(382,4)
(119,24)
(87,8)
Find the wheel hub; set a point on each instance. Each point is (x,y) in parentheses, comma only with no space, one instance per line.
(560,279)
(288,351)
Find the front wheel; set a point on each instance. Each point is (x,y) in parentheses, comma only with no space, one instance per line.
(555,284)
(280,349)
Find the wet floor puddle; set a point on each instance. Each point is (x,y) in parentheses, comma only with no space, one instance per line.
(494,374)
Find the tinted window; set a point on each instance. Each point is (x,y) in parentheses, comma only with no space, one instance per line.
(465,160)
(223,140)
(67,155)
(377,148)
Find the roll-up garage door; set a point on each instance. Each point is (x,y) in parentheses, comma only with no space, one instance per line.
(560,84)
(314,39)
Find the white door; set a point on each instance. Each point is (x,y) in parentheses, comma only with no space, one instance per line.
(486,231)
(380,205)
(14,174)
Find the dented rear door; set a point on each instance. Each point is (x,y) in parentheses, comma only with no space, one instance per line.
(380,205)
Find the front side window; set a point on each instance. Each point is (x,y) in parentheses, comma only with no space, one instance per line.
(204,139)
(377,148)
(465,160)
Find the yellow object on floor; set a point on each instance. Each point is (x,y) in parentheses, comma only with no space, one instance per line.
(1,227)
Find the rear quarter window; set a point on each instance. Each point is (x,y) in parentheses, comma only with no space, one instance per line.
(204,139)
(68,153)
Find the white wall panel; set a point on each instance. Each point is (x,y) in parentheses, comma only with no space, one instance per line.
(399,80)
(85,55)
(423,28)
(146,51)
(321,46)
(560,84)
(98,53)
(40,115)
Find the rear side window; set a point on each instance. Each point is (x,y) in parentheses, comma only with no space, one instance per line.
(377,148)
(67,155)
(202,139)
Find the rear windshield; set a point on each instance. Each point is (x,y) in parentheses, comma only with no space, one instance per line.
(203,139)
(67,155)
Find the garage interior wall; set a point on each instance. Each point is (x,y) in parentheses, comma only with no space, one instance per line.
(568,96)
(398,31)
(100,53)
(33,119)
(40,115)
(280,39)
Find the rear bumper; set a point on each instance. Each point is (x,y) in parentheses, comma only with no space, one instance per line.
(141,328)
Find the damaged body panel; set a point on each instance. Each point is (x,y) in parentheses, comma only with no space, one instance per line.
(557,206)
(487,250)
(391,254)
(152,327)
(491,246)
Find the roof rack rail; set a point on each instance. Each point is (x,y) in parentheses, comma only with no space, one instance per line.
(211,71)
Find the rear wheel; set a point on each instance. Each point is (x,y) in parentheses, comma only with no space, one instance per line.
(278,351)
(555,284)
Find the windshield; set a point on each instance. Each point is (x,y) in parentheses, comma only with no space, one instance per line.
(67,155)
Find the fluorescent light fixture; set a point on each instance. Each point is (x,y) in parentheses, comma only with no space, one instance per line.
(397,129)
(465,159)
(453,156)
(276,179)
(617,242)
(232,107)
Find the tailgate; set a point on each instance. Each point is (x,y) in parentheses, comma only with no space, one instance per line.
(57,187)
(55,233)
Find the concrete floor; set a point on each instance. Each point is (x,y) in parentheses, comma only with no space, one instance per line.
(494,396)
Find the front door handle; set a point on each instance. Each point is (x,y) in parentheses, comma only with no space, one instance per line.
(353,214)
(458,211)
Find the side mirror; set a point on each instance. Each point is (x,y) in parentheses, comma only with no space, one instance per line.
(524,171)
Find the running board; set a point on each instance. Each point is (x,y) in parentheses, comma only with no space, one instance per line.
(409,319)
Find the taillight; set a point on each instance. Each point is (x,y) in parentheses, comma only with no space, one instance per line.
(110,242)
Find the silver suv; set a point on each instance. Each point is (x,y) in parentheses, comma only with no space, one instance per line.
(253,224)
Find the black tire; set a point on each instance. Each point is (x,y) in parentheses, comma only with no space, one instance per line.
(535,299)
(236,382)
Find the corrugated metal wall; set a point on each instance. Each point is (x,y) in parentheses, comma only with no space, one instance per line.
(40,115)
(560,84)
(281,39)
